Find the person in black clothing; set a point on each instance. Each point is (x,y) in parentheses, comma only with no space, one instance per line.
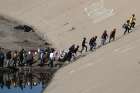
(91,43)
(94,42)
(71,52)
(2,57)
(72,48)
(21,56)
(112,35)
(84,45)
(29,58)
(8,57)
(127,27)
(76,49)
(104,37)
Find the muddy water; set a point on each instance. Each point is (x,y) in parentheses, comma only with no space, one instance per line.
(23,82)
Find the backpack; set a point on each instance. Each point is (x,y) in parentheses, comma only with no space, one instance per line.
(124,26)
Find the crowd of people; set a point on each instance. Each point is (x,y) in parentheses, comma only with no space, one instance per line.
(51,56)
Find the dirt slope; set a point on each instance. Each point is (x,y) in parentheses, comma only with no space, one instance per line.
(55,19)
(16,39)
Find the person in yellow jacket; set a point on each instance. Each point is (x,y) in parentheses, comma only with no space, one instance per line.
(132,21)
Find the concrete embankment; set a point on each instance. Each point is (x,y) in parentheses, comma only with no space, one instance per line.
(55,20)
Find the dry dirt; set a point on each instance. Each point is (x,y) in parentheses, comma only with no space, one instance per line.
(14,39)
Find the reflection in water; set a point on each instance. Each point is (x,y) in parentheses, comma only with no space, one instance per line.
(23,82)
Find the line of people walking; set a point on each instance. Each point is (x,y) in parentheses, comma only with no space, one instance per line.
(105,38)
(53,56)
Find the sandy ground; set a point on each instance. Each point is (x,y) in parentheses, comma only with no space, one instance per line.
(113,68)
(14,39)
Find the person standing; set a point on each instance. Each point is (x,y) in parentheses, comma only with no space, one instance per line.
(42,56)
(2,57)
(104,37)
(84,46)
(112,35)
(15,58)
(21,56)
(8,58)
(24,62)
(29,58)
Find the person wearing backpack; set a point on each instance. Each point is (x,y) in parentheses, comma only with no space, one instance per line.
(91,43)
(112,35)
(132,20)
(104,37)
(126,26)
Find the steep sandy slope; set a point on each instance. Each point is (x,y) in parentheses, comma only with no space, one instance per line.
(114,68)
(55,18)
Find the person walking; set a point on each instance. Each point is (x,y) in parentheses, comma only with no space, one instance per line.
(84,46)
(94,42)
(91,43)
(70,52)
(132,20)
(75,52)
(76,49)
(127,27)
(112,35)
(104,37)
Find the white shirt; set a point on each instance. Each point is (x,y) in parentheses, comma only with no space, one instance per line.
(51,56)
